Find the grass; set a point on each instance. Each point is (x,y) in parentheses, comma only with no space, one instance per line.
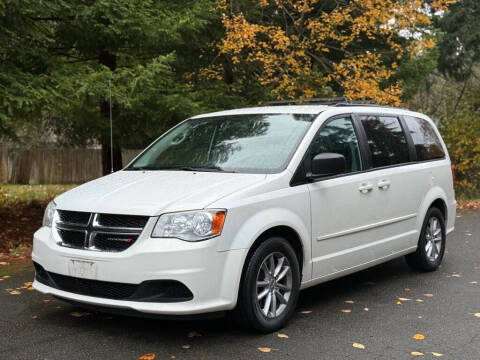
(22,193)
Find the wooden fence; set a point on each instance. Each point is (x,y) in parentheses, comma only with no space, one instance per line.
(53,166)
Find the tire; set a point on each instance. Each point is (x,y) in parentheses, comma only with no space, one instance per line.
(428,257)
(257,314)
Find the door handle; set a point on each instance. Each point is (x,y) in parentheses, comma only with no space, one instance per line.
(384,184)
(365,188)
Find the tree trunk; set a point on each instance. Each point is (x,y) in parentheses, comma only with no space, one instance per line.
(110,60)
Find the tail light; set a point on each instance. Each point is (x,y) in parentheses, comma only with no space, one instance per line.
(453,173)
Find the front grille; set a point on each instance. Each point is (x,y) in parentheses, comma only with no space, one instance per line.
(74,217)
(99,232)
(72,238)
(147,291)
(113,242)
(126,221)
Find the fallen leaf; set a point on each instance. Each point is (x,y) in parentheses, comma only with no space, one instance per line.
(420,316)
(3,263)
(346,311)
(264,349)
(477,315)
(150,356)
(14,292)
(186,347)
(474,282)
(78,314)
(28,283)
(30,288)
(428,295)
(404,299)
(282,336)
(419,300)
(350,302)
(477,267)
(416,353)
(34,316)
(456,275)
(306,312)
(419,337)
(6,277)
(46,300)
(407,289)
(358,346)
(193,334)
(366,309)
(399,303)
(436,354)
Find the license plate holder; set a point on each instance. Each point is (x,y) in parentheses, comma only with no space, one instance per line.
(82,269)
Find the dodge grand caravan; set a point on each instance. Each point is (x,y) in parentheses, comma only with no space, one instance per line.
(240,210)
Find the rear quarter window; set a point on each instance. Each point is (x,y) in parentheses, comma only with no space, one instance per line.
(426,142)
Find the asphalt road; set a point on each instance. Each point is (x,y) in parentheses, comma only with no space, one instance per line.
(31,328)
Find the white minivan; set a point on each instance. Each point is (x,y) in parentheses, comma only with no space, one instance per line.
(241,209)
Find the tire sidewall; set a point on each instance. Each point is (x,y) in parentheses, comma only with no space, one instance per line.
(249,285)
(432,265)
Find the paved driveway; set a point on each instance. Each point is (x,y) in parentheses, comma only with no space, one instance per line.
(442,308)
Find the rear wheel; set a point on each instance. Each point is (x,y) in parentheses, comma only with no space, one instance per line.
(431,244)
(270,285)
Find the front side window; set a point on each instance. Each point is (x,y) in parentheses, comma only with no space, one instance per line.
(427,144)
(386,140)
(338,136)
(257,143)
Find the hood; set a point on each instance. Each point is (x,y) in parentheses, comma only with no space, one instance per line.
(153,192)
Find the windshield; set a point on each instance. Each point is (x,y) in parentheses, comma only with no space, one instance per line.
(259,143)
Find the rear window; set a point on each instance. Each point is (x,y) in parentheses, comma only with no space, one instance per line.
(386,140)
(427,144)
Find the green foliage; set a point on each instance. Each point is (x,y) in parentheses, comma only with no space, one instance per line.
(460,46)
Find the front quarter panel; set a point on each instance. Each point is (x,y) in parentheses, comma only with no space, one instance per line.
(250,217)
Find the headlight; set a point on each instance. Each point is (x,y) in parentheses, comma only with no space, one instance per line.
(190,225)
(49,214)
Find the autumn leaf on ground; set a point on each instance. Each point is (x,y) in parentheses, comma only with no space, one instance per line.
(366,309)
(416,353)
(186,347)
(28,283)
(264,349)
(436,354)
(79,314)
(346,311)
(419,300)
(419,337)
(477,315)
(358,346)
(456,275)
(14,292)
(34,316)
(350,302)
(193,334)
(282,336)
(150,356)
(420,316)
(428,295)
(407,289)
(3,263)
(404,299)
(6,277)
(306,312)
(399,303)
(474,282)
(30,288)
(47,300)
(477,267)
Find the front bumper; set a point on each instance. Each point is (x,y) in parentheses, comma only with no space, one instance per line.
(212,276)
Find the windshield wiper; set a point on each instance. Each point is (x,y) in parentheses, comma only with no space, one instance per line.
(183,168)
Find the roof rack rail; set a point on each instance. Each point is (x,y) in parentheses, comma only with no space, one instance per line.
(321,101)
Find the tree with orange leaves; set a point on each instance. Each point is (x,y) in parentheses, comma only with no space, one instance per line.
(308,48)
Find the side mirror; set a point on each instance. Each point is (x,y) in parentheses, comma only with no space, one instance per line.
(327,164)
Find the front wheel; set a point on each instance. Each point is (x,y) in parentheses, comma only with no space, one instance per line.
(431,244)
(270,285)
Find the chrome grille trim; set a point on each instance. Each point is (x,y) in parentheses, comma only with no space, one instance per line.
(94,228)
